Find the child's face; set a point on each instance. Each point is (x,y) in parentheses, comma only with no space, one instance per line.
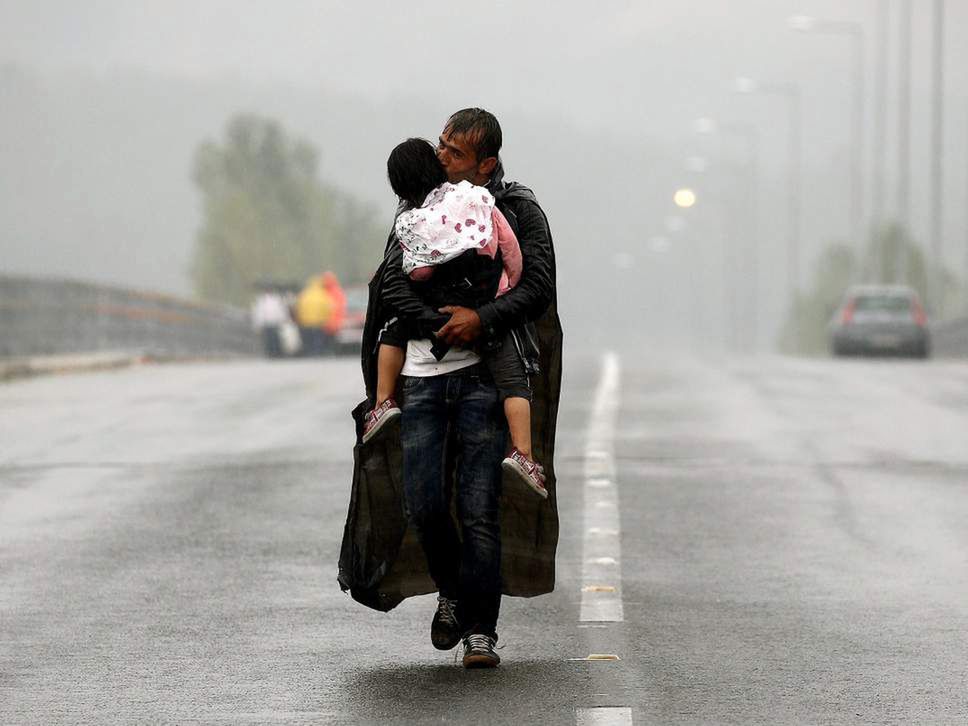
(459,159)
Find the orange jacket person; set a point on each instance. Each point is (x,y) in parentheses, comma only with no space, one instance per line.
(337,314)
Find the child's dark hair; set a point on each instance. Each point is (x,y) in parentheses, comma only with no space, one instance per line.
(413,170)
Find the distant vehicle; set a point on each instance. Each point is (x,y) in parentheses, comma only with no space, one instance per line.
(350,335)
(880,319)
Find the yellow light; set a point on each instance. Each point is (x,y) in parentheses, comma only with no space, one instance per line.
(684,198)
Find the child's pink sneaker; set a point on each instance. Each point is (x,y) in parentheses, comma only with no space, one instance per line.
(379,417)
(527,471)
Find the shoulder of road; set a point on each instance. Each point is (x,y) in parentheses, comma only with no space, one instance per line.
(25,367)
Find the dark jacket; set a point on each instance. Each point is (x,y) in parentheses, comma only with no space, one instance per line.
(381,562)
(469,280)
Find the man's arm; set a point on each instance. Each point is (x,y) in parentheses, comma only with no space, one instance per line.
(399,297)
(532,295)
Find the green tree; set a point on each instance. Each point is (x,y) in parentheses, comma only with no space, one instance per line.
(267,214)
(805,330)
(892,256)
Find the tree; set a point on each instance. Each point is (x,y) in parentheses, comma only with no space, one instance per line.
(892,256)
(267,215)
(805,330)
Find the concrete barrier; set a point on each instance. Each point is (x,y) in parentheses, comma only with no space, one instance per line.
(45,316)
(950,339)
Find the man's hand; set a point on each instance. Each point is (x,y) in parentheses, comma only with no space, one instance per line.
(463,327)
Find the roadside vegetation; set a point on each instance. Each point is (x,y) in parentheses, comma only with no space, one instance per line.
(268,216)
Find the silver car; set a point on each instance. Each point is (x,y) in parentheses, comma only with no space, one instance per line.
(880,319)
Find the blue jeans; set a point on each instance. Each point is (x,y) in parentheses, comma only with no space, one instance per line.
(466,408)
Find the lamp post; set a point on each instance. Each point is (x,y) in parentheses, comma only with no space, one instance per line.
(790,92)
(855,32)
(880,117)
(903,133)
(749,134)
(684,198)
(936,284)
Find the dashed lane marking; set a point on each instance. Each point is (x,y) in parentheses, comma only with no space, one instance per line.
(601,592)
(604,717)
(601,597)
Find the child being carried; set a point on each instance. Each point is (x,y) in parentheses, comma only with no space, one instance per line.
(446,222)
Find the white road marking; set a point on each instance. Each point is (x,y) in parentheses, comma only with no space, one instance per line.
(604,717)
(601,591)
(601,594)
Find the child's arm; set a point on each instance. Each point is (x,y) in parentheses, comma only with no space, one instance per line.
(507,242)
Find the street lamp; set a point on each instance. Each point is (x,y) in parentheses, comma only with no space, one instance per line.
(936,280)
(791,93)
(899,272)
(696,164)
(750,134)
(803,23)
(684,198)
(745,84)
(855,32)
(879,137)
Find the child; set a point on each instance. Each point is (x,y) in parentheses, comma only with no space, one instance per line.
(446,222)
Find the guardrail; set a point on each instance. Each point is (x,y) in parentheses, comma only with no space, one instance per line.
(47,316)
(950,338)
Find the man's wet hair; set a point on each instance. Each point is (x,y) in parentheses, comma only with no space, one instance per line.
(413,170)
(480,128)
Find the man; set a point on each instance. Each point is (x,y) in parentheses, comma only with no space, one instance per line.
(453,436)
(269,313)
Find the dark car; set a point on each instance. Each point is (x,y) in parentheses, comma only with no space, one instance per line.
(880,320)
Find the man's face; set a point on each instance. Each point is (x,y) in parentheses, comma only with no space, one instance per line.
(458,157)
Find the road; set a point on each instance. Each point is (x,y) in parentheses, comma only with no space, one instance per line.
(790,535)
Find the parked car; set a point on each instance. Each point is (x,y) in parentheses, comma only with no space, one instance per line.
(880,319)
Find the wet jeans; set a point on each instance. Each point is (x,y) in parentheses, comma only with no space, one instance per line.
(465,567)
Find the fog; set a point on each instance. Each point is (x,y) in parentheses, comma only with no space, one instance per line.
(105,102)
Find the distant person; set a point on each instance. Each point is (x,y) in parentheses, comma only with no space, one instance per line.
(314,308)
(269,314)
(337,317)
(445,222)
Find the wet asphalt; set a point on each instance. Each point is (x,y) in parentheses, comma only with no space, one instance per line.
(794,550)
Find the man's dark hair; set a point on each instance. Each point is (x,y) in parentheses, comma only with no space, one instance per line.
(413,170)
(480,128)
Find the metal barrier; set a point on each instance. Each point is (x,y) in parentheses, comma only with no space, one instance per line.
(950,338)
(43,316)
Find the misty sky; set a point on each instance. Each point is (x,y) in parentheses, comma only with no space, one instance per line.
(615,63)
(623,75)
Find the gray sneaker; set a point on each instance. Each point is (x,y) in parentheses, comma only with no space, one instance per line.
(445,630)
(479,651)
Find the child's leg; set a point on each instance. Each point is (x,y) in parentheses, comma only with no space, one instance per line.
(518,413)
(388,366)
(507,370)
